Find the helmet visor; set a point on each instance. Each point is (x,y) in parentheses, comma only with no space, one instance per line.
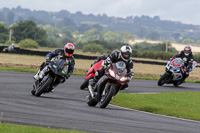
(187,51)
(126,55)
(69,51)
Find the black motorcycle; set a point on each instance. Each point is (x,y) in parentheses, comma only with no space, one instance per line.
(114,79)
(57,70)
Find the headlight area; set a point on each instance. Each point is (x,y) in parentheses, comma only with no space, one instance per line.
(123,79)
(112,73)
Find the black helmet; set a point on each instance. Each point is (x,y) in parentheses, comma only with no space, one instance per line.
(125,52)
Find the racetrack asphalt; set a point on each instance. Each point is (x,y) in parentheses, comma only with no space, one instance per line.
(66,107)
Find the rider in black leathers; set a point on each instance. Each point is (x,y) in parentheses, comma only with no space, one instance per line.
(123,55)
(65,54)
(103,57)
(188,58)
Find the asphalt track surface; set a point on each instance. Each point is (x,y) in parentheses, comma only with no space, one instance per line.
(66,108)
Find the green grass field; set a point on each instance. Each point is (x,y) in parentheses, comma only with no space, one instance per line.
(11,128)
(178,104)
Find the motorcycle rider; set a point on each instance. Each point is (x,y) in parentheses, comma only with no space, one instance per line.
(103,57)
(65,54)
(187,56)
(123,55)
(10,48)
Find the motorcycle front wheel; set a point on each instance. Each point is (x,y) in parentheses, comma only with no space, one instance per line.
(91,101)
(162,79)
(42,88)
(107,96)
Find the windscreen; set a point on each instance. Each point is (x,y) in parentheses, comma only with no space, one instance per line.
(178,61)
(121,66)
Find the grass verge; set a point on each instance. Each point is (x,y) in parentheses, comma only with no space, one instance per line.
(79,73)
(178,104)
(11,128)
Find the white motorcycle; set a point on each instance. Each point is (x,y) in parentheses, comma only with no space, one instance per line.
(174,72)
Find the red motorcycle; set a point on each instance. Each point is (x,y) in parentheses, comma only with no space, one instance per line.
(114,79)
(90,74)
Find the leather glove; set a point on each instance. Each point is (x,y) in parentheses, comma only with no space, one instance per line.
(130,74)
(185,70)
(48,61)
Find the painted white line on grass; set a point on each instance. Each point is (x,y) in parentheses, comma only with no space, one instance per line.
(155,114)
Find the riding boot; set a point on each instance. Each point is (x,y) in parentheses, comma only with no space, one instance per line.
(42,73)
(36,77)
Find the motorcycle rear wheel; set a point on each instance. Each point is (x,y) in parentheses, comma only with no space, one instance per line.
(43,87)
(177,83)
(105,100)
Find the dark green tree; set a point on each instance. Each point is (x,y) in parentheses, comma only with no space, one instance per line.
(66,32)
(3,33)
(154,36)
(29,30)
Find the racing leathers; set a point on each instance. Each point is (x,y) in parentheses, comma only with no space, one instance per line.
(188,60)
(112,58)
(103,57)
(57,54)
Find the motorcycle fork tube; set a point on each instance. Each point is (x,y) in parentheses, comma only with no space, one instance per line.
(90,88)
(104,87)
(100,83)
(91,91)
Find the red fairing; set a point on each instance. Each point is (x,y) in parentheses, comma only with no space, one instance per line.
(93,69)
(176,65)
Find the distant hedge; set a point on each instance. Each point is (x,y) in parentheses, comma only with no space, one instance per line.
(28,43)
(152,55)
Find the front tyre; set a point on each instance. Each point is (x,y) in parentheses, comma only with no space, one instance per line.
(91,101)
(43,87)
(107,97)
(162,79)
(85,83)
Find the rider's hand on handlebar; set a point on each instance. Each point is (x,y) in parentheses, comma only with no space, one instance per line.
(170,58)
(185,69)
(48,61)
(130,74)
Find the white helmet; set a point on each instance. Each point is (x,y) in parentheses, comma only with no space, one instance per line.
(125,52)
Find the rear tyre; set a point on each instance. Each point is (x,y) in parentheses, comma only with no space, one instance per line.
(162,79)
(177,83)
(33,92)
(109,93)
(43,87)
(91,101)
(85,83)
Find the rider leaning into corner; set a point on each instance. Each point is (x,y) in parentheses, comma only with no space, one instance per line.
(122,55)
(65,54)
(103,57)
(187,56)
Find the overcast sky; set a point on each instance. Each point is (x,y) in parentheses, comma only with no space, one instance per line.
(185,11)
